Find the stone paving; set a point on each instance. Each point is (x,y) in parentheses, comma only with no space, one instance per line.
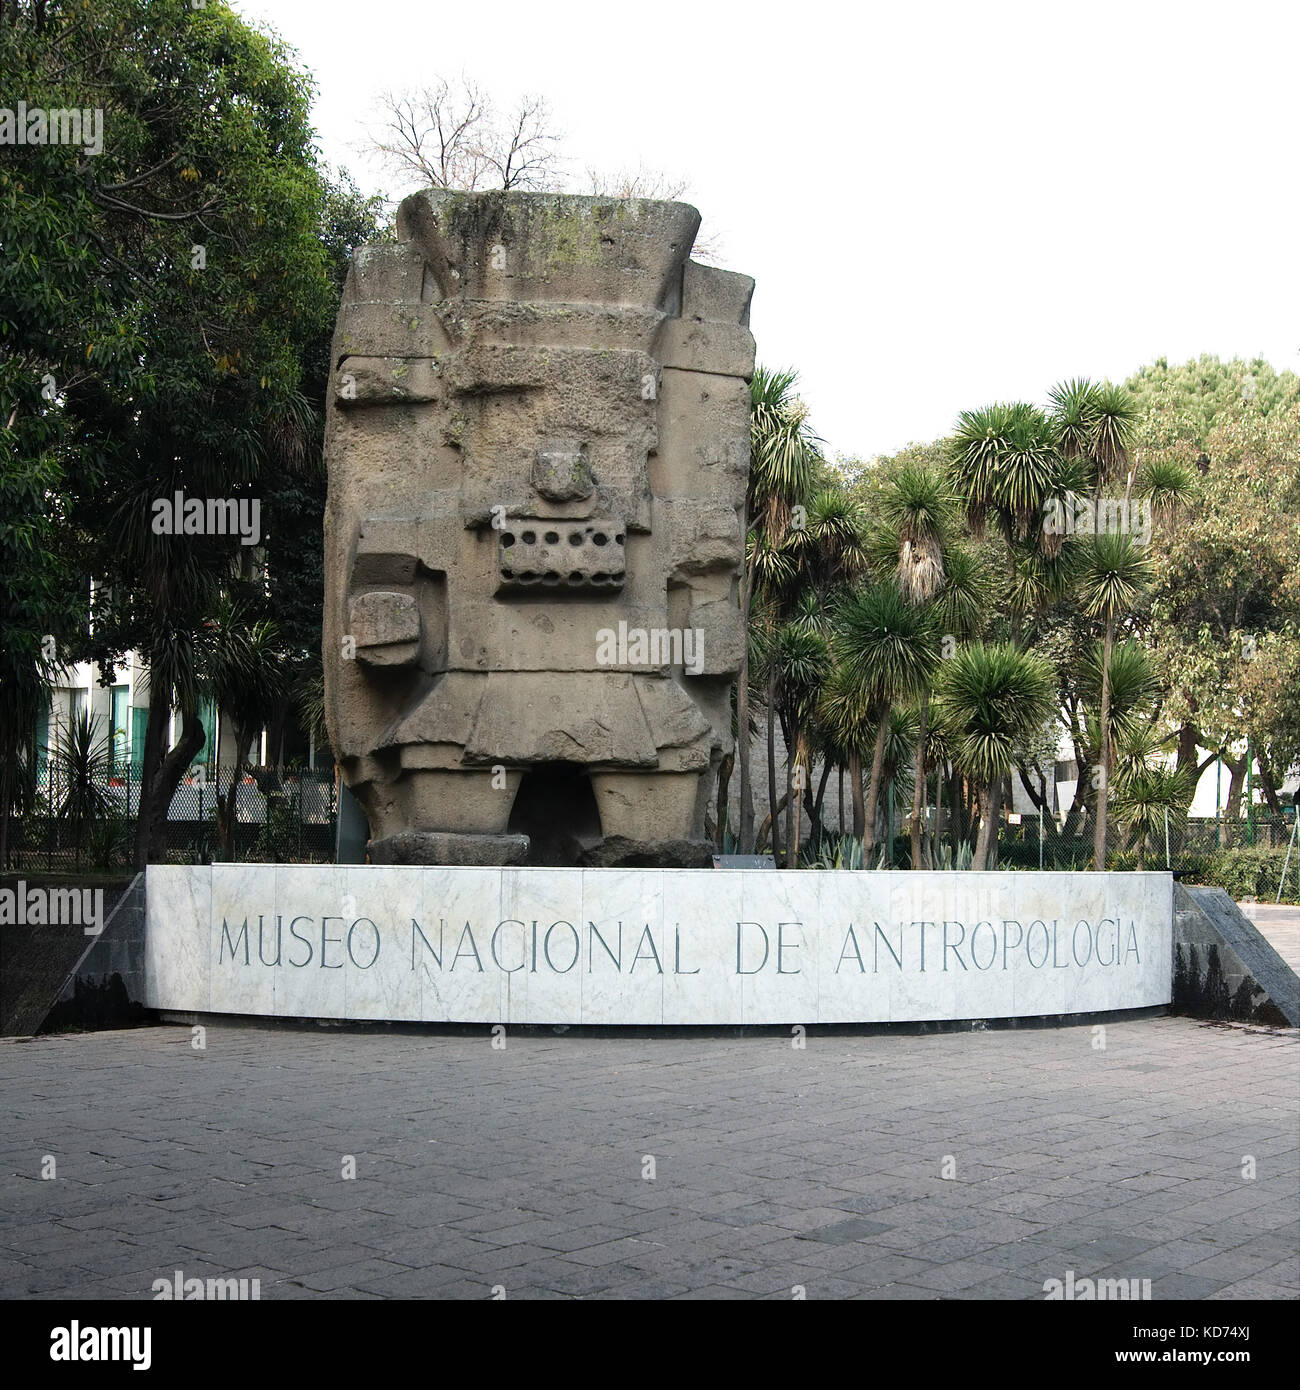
(707,1165)
(1281,925)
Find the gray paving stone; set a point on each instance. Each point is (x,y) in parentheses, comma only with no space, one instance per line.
(774,1169)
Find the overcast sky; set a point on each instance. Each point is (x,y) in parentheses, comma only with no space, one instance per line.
(943,204)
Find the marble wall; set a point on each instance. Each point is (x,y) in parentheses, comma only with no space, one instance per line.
(677,946)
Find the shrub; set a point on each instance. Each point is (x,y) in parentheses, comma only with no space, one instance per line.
(1243,872)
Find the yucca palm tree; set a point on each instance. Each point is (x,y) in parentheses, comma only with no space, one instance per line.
(918,510)
(993,699)
(783,457)
(1116,571)
(897,768)
(890,648)
(1169,487)
(1006,460)
(845,718)
(798,583)
(80,767)
(1145,797)
(961,608)
(918,507)
(1133,688)
(802,663)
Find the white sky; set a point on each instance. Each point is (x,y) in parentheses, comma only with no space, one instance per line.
(943,204)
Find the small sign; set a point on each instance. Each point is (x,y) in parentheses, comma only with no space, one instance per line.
(743,861)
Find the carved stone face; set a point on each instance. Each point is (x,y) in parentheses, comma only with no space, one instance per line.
(538,431)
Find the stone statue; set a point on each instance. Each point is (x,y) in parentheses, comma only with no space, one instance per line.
(538,442)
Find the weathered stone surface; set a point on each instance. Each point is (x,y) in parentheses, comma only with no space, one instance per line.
(443,847)
(1256,983)
(537,447)
(386,627)
(617,851)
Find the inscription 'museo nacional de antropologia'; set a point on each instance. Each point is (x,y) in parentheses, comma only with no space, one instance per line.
(644,945)
(527,945)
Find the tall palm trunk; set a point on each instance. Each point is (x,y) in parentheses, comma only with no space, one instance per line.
(873,790)
(1103,785)
(771,765)
(855,793)
(725,768)
(746,839)
(818,829)
(989,801)
(792,793)
(938,816)
(841,820)
(918,790)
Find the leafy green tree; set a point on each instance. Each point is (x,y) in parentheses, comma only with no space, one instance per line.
(1225,601)
(176,306)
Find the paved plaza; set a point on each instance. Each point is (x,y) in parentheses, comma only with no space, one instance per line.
(702,1165)
(1280,923)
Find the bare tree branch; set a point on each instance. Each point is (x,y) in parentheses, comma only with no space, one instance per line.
(449,137)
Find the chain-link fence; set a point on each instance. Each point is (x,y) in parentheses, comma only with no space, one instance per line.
(1247,857)
(279,815)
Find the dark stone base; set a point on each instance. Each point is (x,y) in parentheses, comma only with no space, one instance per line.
(1224,967)
(444,847)
(617,851)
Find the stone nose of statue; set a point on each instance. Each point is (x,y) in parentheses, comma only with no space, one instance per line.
(562,473)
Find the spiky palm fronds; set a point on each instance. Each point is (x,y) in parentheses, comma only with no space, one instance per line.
(844,716)
(80,766)
(242,666)
(994,698)
(1093,422)
(1141,801)
(1072,413)
(803,662)
(1027,470)
(1138,748)
(975,452)
(1134,687)
(835,530)
(1168,485)
(961,605)
(783,450)
(889,646)
(918,507)
(1115,571)
(1114,415)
